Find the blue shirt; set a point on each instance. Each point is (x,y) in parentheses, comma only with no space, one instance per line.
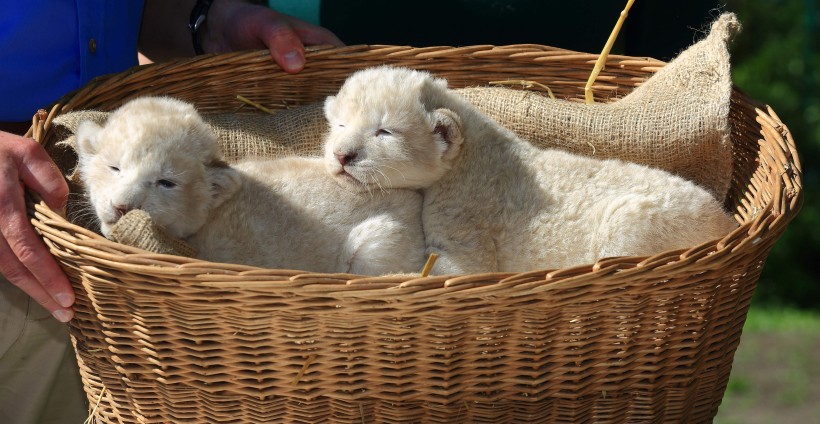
(51,47)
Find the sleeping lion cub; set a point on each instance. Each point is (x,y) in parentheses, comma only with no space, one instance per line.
(493,202)
(158,155)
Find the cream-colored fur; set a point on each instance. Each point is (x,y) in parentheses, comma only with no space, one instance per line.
(156,154)
(493,202)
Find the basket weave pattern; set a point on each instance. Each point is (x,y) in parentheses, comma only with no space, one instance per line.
(175,339)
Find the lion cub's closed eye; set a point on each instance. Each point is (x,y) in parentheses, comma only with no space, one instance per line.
(158,155)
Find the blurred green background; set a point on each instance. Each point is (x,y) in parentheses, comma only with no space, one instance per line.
(777,366)
(775,60)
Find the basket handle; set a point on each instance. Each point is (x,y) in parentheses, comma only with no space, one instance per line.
(40,122)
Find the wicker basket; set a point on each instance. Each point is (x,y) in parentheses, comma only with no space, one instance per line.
(170,339)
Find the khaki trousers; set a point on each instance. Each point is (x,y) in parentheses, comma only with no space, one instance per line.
(39,378)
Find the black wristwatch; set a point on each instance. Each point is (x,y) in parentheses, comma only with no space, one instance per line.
(198,15)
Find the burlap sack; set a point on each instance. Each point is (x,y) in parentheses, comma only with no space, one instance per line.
(677,120)
(136,228)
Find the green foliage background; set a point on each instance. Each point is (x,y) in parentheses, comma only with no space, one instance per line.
(775,60)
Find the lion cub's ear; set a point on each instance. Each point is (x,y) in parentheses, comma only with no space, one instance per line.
(447,132)
(329,107)
(224,181)
(87,137)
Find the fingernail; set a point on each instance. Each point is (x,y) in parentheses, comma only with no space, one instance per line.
(63,315)
(293,61)
(64,299)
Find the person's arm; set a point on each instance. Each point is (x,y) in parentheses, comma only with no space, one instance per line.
(24,259)
(230,25)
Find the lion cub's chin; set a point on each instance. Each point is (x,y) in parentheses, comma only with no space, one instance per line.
(347,181)
(352,178)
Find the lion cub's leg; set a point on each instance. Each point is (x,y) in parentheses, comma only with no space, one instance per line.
(382,244)
(464,251)
(651,223)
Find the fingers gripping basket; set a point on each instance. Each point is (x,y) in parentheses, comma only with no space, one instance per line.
(163,338)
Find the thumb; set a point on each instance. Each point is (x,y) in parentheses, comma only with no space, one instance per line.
(286,49)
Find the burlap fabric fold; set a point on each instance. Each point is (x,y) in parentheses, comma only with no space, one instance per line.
(136,228)
(677,120)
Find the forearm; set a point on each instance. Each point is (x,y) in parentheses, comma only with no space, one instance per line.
(164,34)
(231,25)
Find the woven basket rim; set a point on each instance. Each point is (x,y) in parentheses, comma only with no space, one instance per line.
(527,53)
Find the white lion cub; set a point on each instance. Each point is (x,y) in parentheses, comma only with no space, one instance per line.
(493,202)
(158,155)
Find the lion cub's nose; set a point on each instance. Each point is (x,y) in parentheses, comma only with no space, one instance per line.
(120,210)
(345,158)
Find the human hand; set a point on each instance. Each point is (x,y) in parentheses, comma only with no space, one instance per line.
(237,25)
(24,259)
